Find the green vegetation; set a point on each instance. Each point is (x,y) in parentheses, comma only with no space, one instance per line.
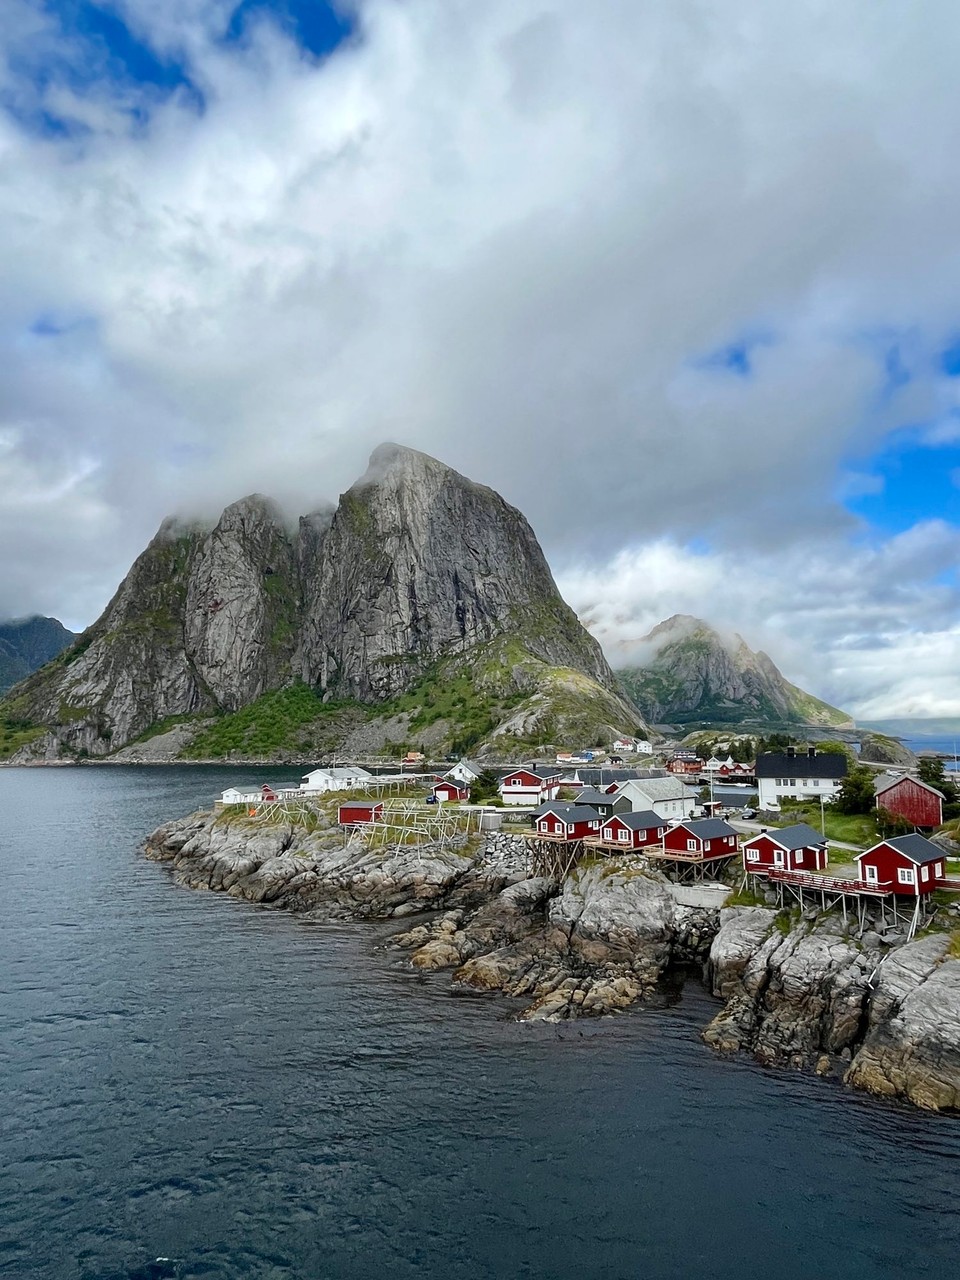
(276,722)
(858,829)
(15,734)
(856,793)
(744,897)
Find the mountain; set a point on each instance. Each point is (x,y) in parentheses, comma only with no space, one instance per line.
(691,674)
(420,609)
(26,644)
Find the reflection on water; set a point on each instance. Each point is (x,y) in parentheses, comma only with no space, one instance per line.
(195,1087)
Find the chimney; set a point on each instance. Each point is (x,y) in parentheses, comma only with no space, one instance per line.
(791,752)
(811,752)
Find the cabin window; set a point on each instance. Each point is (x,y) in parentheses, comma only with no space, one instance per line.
(692,845)
(906,876)
(753,855)
(623,836)
(924,873)
(871,875)
(939,870)
(660,831)
(799,856)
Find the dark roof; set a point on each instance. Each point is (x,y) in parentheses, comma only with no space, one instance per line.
(597,777)
(799,836)
(549,806)
(917,848)
(639,821)
(777,764)
(573,812)
(594,797)
(708,828)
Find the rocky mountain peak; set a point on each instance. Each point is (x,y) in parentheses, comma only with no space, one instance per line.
(690,673)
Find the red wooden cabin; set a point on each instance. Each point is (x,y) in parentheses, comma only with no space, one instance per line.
(909,865)
(568,821)
(703,838)
(532,784)
(684,766)
(268,792)
(916,802)
(447,791)
(633,830)
(795,848)
(356,811)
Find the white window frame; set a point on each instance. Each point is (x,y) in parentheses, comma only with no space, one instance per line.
(691,846)
(623,835)
(924,873)
(778,858)
(753,855)
(906,875)
(870,874)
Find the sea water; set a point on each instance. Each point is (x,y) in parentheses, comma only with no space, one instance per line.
(193,1086)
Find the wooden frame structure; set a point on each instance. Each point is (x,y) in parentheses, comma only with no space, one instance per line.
(689,867)
(808,888)
(553,857)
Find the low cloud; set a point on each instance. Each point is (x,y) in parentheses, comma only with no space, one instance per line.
(514,235)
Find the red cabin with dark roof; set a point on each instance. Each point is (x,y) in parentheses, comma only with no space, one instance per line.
(916,802)
(568,822)
(447,791)
(794,848)
(910,865)
(358,811)
(704,838)
(633,830)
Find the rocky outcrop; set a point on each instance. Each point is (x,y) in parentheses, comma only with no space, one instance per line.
(800,992)
(878,748)
(604,939)
(812,996)
(417,572)
(689,672)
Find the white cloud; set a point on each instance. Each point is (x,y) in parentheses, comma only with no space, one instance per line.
(505,233)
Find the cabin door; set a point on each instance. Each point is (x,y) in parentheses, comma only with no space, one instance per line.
(778,857)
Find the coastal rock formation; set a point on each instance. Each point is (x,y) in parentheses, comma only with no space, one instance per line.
(878,748)
(811,996)
(418,575)
(796,991)
(691,673)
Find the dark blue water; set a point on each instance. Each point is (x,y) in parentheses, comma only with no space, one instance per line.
(189,1077)
(946,745)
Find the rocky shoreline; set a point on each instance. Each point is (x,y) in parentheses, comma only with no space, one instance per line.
(796,991)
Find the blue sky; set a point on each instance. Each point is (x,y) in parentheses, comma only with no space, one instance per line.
(684,292)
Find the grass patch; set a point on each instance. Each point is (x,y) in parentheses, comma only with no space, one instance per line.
(15,734)
(279,721)
(744,897)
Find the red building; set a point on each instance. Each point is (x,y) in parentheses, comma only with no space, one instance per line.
(357,811)
(908,865)
(705,838)
(796,848)
(567,821)
(447,791)
(685,763)
(633,830)
(916,802)
(532,784)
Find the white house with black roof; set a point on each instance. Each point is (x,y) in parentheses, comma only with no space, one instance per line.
(798,775)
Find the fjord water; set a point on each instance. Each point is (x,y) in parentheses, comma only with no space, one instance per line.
(187,1077)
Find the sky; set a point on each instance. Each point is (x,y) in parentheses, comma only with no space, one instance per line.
(681,281)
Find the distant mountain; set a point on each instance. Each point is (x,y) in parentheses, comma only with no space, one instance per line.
(26,644)
(419,611)
(692,674)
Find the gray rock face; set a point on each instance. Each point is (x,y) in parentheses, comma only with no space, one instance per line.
(419,561)
(813,996)
(415,564)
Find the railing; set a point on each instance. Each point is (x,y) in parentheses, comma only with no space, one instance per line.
(829,884)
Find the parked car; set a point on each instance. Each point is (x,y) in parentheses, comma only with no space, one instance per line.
(431,799)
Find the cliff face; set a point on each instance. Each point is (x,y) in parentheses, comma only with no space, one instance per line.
(26,644)
(416,567)
(694,675)
(419,561)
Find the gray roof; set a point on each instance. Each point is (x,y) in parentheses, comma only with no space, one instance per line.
(594,797)
(885,782)
(639,821)
(707,828)
(799,836)
(573,812)
(917,848)
(654,789)
(778,764)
